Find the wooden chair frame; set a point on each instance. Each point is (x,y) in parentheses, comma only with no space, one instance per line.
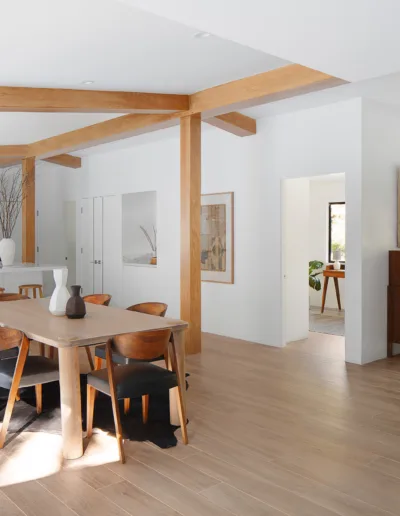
(114,400)
(95,299)
(15,338)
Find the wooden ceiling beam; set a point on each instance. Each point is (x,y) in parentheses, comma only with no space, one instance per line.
(13,151)
(235,123)
(65,160)
(281,83)
(51,100)
(104,132)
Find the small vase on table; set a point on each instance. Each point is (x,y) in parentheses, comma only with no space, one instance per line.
(59,299)
(76,308)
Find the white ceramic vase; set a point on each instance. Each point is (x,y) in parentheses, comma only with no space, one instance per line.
(7,251)
(60,296)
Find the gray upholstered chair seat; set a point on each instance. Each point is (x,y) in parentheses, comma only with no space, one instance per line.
(9,353)
(37,370)
(134,380)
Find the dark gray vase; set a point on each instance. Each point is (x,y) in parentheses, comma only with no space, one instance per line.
(75,308)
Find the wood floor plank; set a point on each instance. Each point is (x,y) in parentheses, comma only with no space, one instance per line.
(238,502)
(169,466)
(276,497)
(167,491)
(34,500)
(386,466)
(8,508)
(79,496)
(97,477)
(135,501)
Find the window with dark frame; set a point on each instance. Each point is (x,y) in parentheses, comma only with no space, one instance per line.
(337,232)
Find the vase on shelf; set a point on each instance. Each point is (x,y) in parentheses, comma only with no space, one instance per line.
(7,251)
(337,255)
(75,308)
(153,260)
(60,296)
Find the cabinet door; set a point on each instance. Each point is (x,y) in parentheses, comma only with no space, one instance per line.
(112,248)
(98,245)
(87,251)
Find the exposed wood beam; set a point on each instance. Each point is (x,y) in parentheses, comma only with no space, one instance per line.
(235,123)
(9,162)
(13,151)
(87,101)
(104,132)
(190,229)
(66,160)
(281,83)
(28,211)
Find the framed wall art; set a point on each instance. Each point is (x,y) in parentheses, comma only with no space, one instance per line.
(216,238)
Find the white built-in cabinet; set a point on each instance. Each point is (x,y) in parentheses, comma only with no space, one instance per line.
(101,246)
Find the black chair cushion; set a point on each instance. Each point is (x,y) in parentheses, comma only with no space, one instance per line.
(9,353)
(119,359)
(134,380)
(37,370)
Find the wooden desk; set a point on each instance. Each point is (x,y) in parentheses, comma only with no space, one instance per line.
(330,272)
(32,316)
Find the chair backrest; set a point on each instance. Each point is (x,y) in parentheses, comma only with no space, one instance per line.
(98,299)
(10,338)
(8,296)
(159,309)
(144,345)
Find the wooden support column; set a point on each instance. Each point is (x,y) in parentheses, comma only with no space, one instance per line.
(28,211)
(190,229)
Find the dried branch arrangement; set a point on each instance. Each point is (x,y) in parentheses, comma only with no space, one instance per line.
(152,244)
(11,197)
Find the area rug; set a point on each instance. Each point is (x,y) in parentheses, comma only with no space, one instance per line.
(24,418)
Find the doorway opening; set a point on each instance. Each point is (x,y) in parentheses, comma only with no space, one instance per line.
(314,240)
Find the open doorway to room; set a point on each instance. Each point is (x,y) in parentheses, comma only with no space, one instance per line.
(314,256)
(327,253)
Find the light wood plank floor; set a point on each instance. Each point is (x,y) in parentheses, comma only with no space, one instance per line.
(291,431)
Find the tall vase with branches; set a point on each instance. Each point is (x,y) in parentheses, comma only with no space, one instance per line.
(11,197)
(152,244)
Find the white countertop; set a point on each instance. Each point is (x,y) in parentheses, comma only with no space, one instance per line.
(29,267)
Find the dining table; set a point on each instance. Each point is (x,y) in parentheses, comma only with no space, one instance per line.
(32,317)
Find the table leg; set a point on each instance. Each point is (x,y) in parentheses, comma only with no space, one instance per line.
(179,340)
(336,281)
(70,394)
(326,280)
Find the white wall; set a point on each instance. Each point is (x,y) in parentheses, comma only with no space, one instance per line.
(314,142)
(296,234)
(381,159)
(321,194)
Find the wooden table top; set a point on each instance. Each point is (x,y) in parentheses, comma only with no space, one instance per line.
(32,316)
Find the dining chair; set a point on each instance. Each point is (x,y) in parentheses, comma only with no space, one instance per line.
(95,299)
(150,308)
(13,352)
(22,371)
(135,379)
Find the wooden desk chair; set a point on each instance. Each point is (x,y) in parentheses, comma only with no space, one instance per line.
(13,352)
(158,309)
(137,378)
(35,287)
(22,371)
(95,299)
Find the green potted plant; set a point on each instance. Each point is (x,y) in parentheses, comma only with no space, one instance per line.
(314,270)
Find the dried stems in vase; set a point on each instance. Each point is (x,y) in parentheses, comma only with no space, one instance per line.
(11,196)
(152,245)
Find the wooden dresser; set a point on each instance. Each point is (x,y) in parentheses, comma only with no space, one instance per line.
(393,308)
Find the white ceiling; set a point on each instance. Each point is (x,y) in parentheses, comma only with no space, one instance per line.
(48,43)
(350,39)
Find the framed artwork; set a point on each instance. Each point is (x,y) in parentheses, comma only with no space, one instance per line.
(216,237)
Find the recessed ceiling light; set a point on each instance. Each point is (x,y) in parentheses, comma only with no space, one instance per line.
(86,83)
(202,35)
